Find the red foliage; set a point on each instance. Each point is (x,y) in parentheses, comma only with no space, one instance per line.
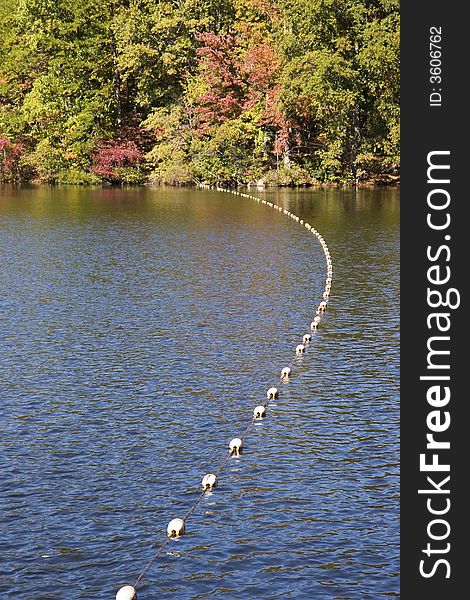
(112,155)
(260,65)
(236,81)
(4,143)
(225,87)
(10,154)
(267,7)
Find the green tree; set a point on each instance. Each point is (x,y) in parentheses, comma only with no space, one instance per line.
(156,46)
(341,77)
(60,93)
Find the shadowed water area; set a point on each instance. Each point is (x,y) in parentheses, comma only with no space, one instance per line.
(138,329)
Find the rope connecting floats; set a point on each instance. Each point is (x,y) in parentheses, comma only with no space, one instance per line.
(177,526)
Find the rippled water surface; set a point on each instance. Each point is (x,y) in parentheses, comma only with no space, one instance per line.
(138,328)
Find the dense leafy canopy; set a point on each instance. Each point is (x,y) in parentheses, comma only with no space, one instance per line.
(188,91)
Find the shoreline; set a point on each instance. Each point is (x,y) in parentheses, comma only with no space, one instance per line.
(379,182)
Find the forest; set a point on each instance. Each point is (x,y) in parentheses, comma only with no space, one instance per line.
(191,92)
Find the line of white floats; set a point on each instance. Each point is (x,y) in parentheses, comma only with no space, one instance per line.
(176,527)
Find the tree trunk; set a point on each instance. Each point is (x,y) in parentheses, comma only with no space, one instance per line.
(355,141)
(286,155)
(117,87)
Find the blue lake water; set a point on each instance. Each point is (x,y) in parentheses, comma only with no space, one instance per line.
(138,329)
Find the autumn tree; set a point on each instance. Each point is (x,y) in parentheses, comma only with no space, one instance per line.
(288,91)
